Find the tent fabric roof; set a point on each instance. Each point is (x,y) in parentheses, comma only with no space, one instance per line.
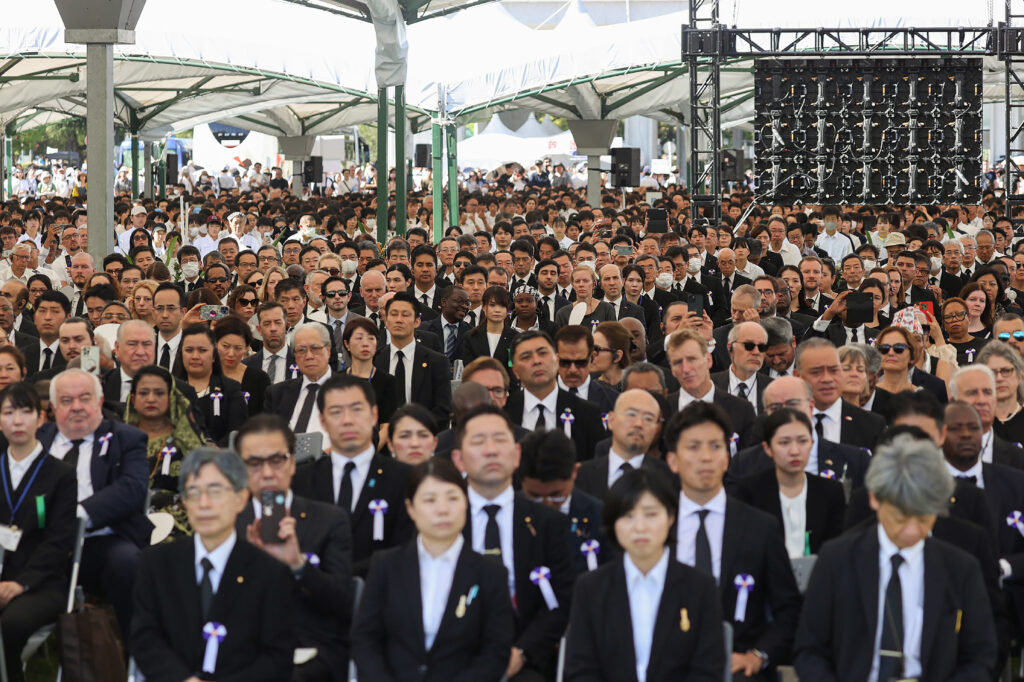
(412,10)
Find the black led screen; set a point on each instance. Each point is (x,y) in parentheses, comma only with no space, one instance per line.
(868,131)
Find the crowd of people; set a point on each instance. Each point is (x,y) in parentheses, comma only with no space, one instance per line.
(554,440)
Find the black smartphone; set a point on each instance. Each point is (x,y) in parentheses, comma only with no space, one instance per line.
(657,220)
(272,502)
(859,308)
(695,303)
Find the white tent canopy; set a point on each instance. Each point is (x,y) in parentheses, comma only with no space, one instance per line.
(497,145)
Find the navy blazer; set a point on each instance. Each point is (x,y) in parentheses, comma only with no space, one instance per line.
(585,512)
(436,327)
(120,479)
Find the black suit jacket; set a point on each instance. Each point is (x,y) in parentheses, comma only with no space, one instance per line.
(256,360)
(386,481)
(836,332)
(27,326)
(721,381)
(34,358)
(951,284)
(253,602)
(323,604)
(592,476)
(1006,453)
(841,605)
(1004,492)
(602,395)
(687,643)
(930,383)
(232,413)
(538,539)
(859,427)
(587,427)
(738,280)
(431,380)
(48,535)
(120,479)
(815,312)
(844,461)
(584,515)
(557,300)
(825,504)
(476,345)
(475,634)
(627,309)
(740,411)
(435,327)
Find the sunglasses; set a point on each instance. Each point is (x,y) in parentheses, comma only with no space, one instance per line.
(247,301)
(565,363)
(217,280)
(751,345)
(899,348)
(335,294)
(1005,336)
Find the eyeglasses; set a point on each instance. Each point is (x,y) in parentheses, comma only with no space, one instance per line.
(269,259)
(276,461)
(215,491)
(247,301)
(953,317)
(550,499)
(646,417)
(751,345)
(1004,372)
(306,350)
(1005,336)
(216,280)
(603,349)
(335,294)
(899,348)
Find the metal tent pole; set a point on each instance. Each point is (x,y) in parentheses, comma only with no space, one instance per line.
(400,187)
(436,186)
(382,165)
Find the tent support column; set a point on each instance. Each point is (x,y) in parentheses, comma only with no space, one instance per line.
(99,125)
(147,164)
(401,205)
(436,175)
(4,170)
(162,170)
(593,137)
(452,150)
(135,155)
(382,165)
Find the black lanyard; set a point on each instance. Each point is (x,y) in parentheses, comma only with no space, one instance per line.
(7,490)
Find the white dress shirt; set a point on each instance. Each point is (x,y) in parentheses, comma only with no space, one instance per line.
(832,425)
(218,557)
(530,412)
(126,385)
(281,371)
(173,344)
(358,475)
(644,592)
(492,342)
(429,293)
(685,398)
(19,469)
(615,462)
(60,448)
(54,349)
(479,517)
(751,383)
(313,424)
(714,526)
(583,390)
(408,355)
(436,576)
(977,471)
(986,446)
(912,588)
(794,520)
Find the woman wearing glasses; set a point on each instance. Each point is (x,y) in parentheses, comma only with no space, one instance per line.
(159,409)
(955,320)
(243,302)
(220,399)
(1006,363)
(493,334)
(899,350)
(234,339)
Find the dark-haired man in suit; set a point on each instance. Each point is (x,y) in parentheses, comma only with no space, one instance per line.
(275,358)
(575,346)
(450,325)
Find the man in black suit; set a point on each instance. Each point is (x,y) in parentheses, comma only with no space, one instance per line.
(845,635)
(727,270)
(295,400)
(275,358)
(51,309)
(817,362)
(450,326)
(168,308)
(541,404)
(744,306)
(687,267)
(213,587)
(315,543)
(914,266)
(953,277)
(690,363)
(575,346)
(421,375)
(110,460)
(425,289)
(355,477)
(522,264)
(33,587)
(525,535)
(747,345)
(548,475)
(634,424)
(828,459)
(611,282)
(976,385)
(549,300)
(742,547)
(812,302)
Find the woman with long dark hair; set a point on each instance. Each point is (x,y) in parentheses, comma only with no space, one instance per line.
(220,399)
(492,336)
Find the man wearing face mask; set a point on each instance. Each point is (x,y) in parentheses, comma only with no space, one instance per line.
(837,245)
(188,261)
(952,279)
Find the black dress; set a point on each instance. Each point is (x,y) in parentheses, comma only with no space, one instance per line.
(384,389)
(968,350)
(254,384)
(1012,429)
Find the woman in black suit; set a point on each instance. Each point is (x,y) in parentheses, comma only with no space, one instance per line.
(234,339)
(219,399)
(43,493)
(360,340)
(492,336)
(433,609)
(644,617)
(809,508)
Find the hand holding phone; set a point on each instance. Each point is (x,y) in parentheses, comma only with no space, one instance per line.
(272,512)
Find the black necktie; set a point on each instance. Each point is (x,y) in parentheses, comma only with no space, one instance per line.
(574,390)
(165,357)
(376,319)
(81,301)
(741,391)
(625,468)
(48,360)
(72,457)
(339,333)
(818,426)
(400,397)
(890,654)
(471,318)
(973,480)
(492,534)
(855,334)
(302,423)
(542,423)
(345,489)
(426,301)
(205,588)
(702,555)
(546,308)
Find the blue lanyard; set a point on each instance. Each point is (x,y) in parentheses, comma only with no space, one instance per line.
(7,490)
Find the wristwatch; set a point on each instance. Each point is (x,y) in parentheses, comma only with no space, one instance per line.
(762,655)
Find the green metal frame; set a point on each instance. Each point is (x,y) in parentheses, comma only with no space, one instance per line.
(437,154)
(382,165)
(401,207)
(451,152)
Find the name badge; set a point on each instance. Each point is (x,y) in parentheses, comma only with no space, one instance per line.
(10,537)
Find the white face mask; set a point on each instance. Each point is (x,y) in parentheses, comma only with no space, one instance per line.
(190,269)
(663,280)
(202,230)
(193,232)
(870,265)
(693,266)
(936,265)
(349,267)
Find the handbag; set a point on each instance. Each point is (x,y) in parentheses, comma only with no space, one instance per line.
(90,646)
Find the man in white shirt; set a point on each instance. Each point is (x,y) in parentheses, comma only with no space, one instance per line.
(831,241)
(168,306)
(747,345)
(779,244)
(297,397)
(276,360)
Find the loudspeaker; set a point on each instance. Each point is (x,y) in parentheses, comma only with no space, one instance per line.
(171,175)
(625,167)
(422,156)
(313,170)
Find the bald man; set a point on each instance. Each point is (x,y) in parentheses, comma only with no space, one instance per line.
(611,283)
(832,460)
(746,377)
(635,424)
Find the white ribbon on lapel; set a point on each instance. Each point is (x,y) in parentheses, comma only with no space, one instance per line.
(734,444)
(294,369)
(216,398)
(1016,520)
(166,454)
(828,473)
(378,508)
(105,442)
(590,548)
(214,634)
(541,577)
(567,418)
(744,584)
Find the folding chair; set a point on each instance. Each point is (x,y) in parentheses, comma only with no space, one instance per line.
(357,594)
(560,674)
(308,446)
(727,632)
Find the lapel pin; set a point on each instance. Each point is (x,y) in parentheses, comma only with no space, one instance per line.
(529,524)
(473,591)
(380,471)
(684,620)
(959,619)
(240,580)
(460,610)
(424,365)
(302,515)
